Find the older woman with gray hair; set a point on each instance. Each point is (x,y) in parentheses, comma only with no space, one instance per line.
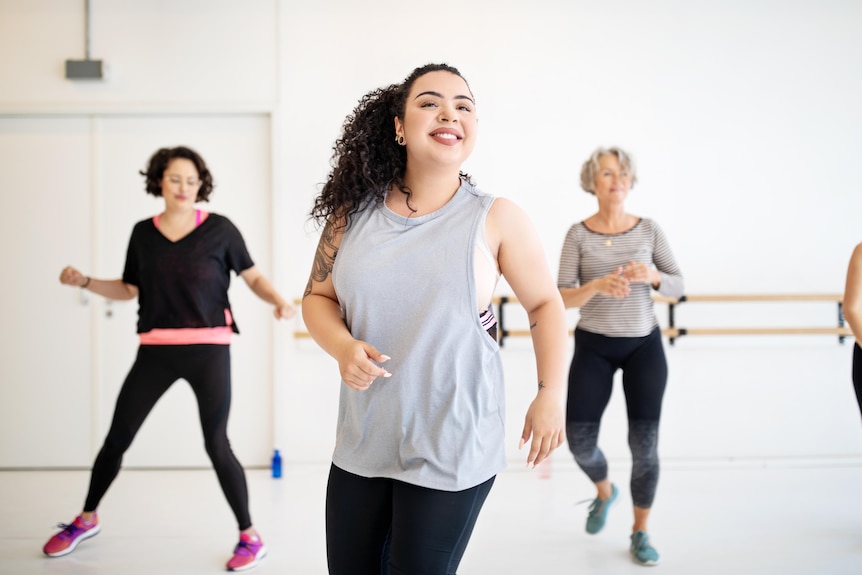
(609,265)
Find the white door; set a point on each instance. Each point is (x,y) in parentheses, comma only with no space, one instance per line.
(237,151)
(46,405)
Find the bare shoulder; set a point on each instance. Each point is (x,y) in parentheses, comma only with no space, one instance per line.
(331,236)
(505,212)
(507,222)
(853,285)
(854,269)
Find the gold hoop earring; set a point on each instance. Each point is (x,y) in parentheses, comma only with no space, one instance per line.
(400,140)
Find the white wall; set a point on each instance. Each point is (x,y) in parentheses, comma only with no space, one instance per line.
(197,53)
(742,115)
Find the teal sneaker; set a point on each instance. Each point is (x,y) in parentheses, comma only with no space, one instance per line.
(642,552)
(599,511)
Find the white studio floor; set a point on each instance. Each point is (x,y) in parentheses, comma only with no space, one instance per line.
(790,517)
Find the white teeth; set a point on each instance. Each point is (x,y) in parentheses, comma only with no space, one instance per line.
(447,136)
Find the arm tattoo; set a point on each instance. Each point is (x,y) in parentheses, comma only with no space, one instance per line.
(541,385)
(532,325)
(324,258)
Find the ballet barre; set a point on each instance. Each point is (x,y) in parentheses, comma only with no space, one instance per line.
(673,331)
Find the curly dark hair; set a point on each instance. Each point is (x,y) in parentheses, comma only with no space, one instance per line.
(366,159)
(159,163)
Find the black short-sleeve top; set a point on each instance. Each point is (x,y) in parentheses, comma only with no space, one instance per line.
(183,285)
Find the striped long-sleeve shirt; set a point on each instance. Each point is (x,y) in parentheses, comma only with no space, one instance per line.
(588,255)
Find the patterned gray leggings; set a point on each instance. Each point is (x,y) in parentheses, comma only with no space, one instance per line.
(596,360)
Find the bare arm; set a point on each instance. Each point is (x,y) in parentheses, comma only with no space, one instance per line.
(263,289)
(522,261)
(115,289)
(322,315)
(853,294)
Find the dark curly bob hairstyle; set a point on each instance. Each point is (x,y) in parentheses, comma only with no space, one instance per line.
(159,163)
(366,159)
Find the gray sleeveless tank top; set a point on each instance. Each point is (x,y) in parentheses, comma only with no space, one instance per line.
(407,286)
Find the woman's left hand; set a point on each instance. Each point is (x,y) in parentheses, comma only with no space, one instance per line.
(284,310)
(546,423)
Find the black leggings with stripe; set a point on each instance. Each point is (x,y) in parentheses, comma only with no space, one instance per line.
(377,526)
(596,360)
(207,369)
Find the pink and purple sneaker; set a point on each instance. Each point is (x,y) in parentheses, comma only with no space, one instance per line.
(66,540)
(248,553)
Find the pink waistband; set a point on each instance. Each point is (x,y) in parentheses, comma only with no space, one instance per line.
(187,336)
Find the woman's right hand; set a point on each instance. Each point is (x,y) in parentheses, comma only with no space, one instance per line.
(614,284)
(356,362)
(72,277)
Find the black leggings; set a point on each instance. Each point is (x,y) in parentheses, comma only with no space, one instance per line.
(857,373)
(156,368)
(381,526)
(596,359)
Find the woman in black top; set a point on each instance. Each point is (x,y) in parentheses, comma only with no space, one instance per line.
(178,265)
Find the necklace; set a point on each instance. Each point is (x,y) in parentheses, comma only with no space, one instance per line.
(608,242)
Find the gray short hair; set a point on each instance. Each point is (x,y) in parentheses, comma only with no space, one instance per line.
(591,166)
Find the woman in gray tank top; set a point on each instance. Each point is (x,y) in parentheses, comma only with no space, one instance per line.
(400,295)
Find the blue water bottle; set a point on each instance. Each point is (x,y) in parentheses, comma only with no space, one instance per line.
(276,464)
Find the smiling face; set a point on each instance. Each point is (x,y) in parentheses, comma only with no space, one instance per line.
(612,181)
(180,184)
(439,124)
